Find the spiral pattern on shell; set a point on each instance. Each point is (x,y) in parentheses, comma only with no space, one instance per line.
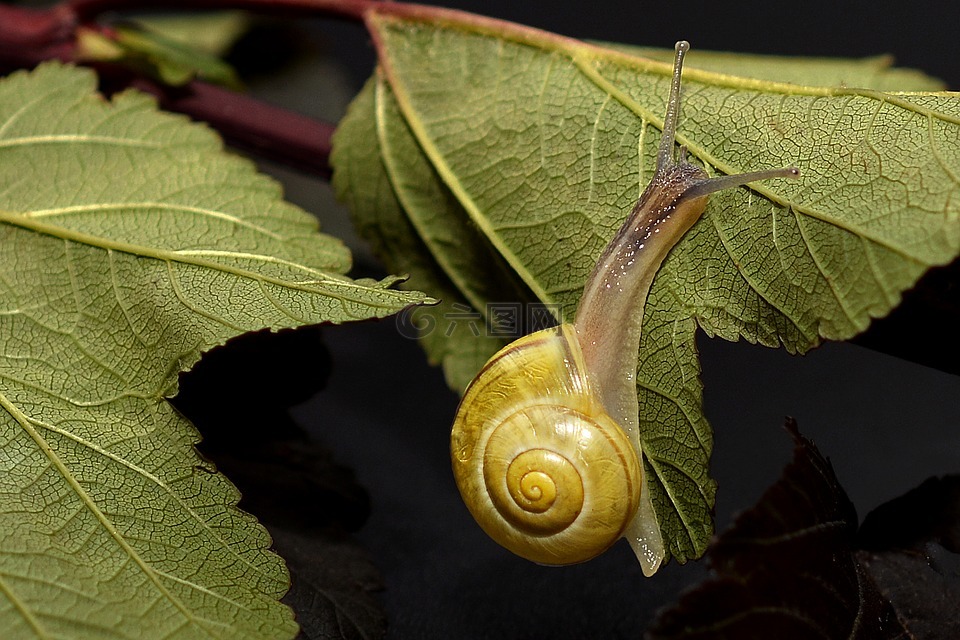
(541,466)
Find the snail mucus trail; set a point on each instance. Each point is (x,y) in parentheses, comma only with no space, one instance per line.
(545,445)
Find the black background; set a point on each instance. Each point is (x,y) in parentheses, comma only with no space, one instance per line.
(886,424)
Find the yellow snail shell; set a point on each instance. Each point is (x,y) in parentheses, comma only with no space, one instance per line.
(541,466)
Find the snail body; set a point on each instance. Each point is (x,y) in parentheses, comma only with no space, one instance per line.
(545,445)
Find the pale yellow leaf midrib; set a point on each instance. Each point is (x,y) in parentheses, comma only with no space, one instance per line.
(451,180)
(125,207)
(174,257)
(456,276)
(26,424)
(78,138)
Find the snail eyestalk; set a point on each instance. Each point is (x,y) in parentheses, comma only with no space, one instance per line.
(665,150)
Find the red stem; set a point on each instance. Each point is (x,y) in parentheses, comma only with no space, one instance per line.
(28,36)
(24,27)
(347,9)
(255,126)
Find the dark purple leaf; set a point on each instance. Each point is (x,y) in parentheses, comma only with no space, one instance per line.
(332,586)
(786,568)
(929,513)
(911,550)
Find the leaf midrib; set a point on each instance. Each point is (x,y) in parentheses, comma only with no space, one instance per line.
(24,421)
(456,275)
(174,256)
(92,446)
(124,207)
(74,138)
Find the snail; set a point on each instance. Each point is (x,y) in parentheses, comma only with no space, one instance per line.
(545,445)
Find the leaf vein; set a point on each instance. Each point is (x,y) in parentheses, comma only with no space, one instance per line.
(78,138)
(755,286)
(23,610)
(90,504)
(841,302)
(127,207)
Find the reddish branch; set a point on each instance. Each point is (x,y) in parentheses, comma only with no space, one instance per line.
(30,36)
(250,124)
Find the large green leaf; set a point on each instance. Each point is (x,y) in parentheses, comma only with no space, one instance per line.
(546,142)
(130,242)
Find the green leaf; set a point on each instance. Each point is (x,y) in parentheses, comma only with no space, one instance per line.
(546,142)
(211,33)
(876,72)
(129,244)
(172,60)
